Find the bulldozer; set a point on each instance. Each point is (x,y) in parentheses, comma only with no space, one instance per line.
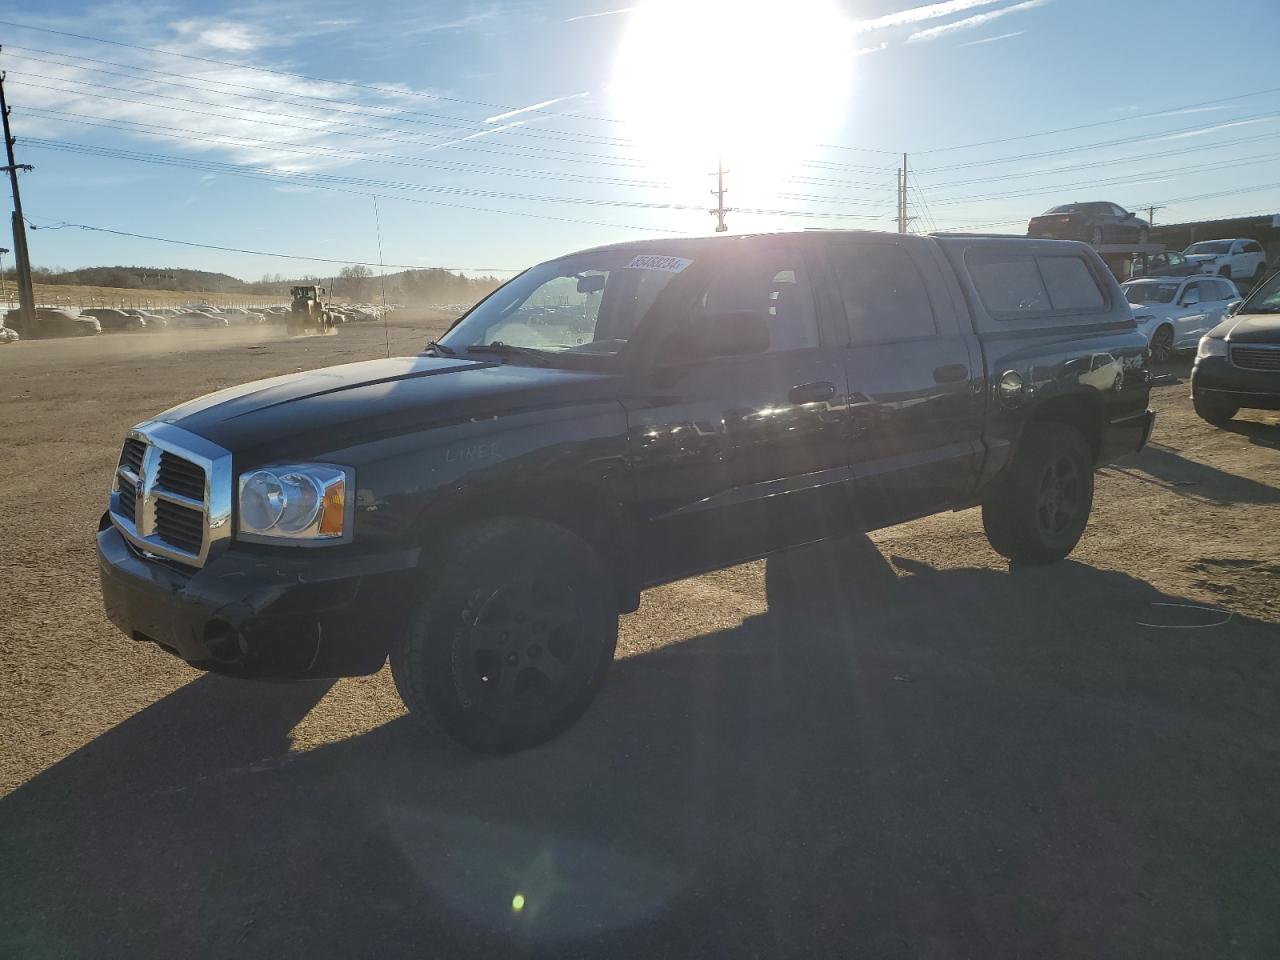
(307,313)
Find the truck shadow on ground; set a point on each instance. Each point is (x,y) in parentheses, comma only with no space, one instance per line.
(1177,473)
(892,761)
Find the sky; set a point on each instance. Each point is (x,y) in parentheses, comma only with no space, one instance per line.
(486,136)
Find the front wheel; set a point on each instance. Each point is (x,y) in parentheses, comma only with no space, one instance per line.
(1039,509)
(1162,345)
(1215,412)
(512,635)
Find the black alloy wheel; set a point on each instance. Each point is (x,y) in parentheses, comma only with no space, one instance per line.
(1060,498)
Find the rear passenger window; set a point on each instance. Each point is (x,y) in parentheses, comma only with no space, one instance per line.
(1010,284)
(884,296)
(1070,283)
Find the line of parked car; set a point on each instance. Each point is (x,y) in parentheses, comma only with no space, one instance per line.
(54,322)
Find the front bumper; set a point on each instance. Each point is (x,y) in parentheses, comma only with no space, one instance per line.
(257,614)
(1219,379)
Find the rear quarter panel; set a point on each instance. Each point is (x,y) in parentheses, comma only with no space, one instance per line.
(1095,358)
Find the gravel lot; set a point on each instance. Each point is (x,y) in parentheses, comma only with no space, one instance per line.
(896,747)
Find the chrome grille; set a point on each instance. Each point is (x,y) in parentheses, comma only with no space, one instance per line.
(181,526)
(181,476)
(1261,357)
(171,495)
(128,498)
(132,454)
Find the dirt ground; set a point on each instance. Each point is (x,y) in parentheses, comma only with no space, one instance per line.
(899,747)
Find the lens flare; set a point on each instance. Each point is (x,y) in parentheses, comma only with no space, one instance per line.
(754,83)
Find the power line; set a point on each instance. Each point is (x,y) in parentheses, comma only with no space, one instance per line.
(235,171)
(1109,163)
(1105,143)
(277,118)
(1168,111)
(186,134)
(1133,178)
(327,182)
(264,253)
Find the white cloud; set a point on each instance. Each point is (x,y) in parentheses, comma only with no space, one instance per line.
(535,106)
(1201,131)
(212,112)
(968,23)
(931,11)
(602,13)
(1001,36)
(220,35)
(428,25)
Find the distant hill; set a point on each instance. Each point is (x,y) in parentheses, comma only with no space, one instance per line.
(142,278)
(356,283)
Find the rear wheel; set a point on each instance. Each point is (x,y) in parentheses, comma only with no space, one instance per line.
(1038,511)
(512,636)
(1216,412)
(1162,345)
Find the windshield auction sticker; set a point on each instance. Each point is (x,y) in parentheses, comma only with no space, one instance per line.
(653,262)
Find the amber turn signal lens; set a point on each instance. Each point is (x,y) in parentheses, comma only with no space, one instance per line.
(333,514)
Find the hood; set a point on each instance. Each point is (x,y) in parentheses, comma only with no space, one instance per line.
(304,414)
(1249,328)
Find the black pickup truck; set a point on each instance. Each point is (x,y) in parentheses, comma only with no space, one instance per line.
(605,422)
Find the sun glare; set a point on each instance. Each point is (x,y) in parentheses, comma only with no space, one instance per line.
(755,83)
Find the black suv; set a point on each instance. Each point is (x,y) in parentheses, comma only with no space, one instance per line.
(605,422)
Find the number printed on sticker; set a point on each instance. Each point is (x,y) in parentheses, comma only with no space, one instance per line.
(656,262)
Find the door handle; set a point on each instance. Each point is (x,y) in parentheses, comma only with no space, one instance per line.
(812,392)
(951,373)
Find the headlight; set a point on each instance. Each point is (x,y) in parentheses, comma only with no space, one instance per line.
(295,503)
(1143,317)
(1211,347)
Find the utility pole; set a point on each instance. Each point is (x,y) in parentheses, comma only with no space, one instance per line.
(898,200)
(1151,214)
(26,299)
(903,220)
(719,193)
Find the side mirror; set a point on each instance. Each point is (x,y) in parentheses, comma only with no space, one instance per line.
(1130,216)
(738,333)
(1190,298)
(1234,308)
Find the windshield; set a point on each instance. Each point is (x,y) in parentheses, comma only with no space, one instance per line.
(589,303)
(1210,246)
(1264,299)
(1150,292)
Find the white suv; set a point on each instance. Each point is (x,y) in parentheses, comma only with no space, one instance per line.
(1233,259)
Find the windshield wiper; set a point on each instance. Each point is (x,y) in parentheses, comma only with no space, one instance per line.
(440,348)
(510,350)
